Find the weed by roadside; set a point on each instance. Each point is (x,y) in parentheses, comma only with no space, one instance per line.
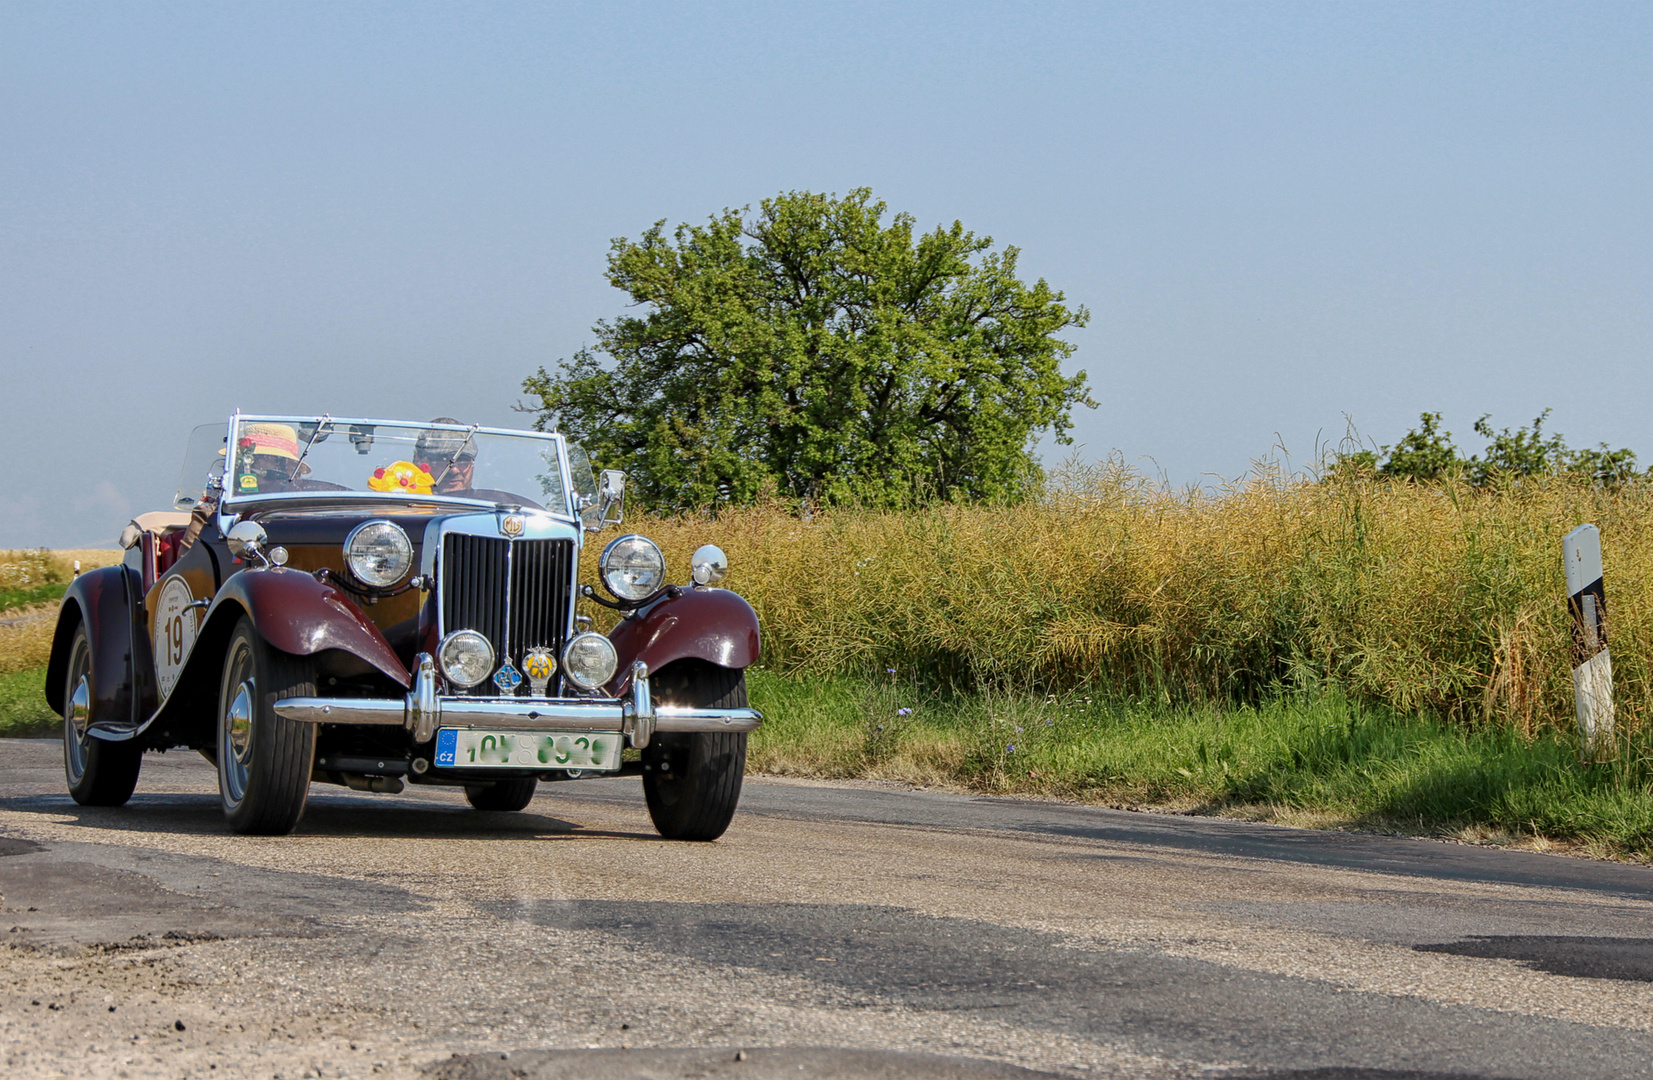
(1324,761)
(23,709)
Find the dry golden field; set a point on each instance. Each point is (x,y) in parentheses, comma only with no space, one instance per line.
(26,627)
(1446,599)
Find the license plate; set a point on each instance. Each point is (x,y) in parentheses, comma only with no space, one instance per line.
(462,748)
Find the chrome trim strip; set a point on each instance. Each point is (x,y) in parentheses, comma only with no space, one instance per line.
(683,718)
(295,418)
(316,710)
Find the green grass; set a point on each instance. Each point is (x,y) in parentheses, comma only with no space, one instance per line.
(1326,761)
(24,713)
(36,594)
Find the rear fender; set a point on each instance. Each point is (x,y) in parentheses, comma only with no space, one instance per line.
(101,600)
(714,625)
(292,612)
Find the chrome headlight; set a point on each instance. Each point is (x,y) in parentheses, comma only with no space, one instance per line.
(466,657)
(379,553)
(590,660)
(632,567)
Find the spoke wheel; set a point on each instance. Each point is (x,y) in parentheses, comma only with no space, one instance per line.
(264,761)
(692,780)
(510,794)
(100,773)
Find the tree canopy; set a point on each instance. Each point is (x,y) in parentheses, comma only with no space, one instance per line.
(817,350)
(1428,453)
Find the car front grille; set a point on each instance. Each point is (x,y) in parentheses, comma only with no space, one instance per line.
(480,572)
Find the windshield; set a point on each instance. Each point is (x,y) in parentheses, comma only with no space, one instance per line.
(287,456)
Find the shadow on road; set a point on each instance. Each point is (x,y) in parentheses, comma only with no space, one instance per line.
(326,816)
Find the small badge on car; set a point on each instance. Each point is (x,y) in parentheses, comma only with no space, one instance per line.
(539,665)
(507,678)
(512,525)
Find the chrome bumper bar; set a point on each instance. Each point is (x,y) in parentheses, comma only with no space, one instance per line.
(422,711)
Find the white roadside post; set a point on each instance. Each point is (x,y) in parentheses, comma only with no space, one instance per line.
(1592,667)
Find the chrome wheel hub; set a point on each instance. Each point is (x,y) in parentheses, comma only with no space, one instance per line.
(76,717)
(239,722)
(80,708)
(235,742)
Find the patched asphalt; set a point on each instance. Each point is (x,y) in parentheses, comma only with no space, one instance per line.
(848,931)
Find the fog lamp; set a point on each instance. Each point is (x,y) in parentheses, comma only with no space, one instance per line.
(589,660)
(466,657)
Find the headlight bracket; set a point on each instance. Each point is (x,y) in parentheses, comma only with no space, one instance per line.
(673,591)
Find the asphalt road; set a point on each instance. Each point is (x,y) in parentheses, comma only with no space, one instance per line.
(847,931)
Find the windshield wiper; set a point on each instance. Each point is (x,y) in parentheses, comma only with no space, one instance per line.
(321,425)
(466,441)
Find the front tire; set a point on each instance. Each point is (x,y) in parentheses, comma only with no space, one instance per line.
(264,760)
(508,795)
(100,773)
(692,780)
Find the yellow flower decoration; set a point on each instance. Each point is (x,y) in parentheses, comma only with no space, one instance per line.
(402,476)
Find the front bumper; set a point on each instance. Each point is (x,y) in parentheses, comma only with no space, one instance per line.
(421,712)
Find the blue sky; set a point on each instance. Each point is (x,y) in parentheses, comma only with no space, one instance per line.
(1279,215)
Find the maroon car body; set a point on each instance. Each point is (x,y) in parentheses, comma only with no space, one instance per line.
(297,622)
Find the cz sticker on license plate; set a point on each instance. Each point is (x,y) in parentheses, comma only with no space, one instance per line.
(463,748)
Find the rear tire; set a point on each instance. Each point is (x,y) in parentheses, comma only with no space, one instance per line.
(264,761)
(511,794)
(100,773)
(692,780)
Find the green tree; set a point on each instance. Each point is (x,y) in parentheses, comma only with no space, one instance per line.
(1427,453)
(1424,453)
(814,348)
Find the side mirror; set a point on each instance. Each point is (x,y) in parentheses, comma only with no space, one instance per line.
(611,498)
(245,538)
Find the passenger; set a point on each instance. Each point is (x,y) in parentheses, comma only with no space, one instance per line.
(265,460)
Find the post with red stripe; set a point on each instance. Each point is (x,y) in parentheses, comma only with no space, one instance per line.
(1592,667)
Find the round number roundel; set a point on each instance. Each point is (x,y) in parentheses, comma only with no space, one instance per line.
(174,632)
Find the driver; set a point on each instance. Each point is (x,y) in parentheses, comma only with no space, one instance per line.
(449,455)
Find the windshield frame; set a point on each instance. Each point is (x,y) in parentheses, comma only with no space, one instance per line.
(233,505)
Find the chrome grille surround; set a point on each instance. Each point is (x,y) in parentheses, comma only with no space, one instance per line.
(518,592)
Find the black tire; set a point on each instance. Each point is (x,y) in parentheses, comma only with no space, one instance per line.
(100,773)
(264,761)
(692,781)
(512,793)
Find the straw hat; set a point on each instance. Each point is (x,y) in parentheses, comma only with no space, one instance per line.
(276,440)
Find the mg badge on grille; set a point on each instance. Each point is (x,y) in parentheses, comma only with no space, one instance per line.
(507,678)
(539,665)
(512,525)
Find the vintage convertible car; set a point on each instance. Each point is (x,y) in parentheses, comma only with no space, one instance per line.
(373,603)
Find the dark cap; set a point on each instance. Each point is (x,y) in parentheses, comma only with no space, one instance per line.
(436,444)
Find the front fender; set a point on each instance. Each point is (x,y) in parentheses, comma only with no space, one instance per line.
(297,614)
(714,625)
(291,611)
(102,600)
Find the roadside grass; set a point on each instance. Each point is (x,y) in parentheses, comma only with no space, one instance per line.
(27,643)
(24,713)
(12,599)
(31,584)
(1325,761)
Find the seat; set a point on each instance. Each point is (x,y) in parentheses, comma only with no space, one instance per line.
(158,522)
